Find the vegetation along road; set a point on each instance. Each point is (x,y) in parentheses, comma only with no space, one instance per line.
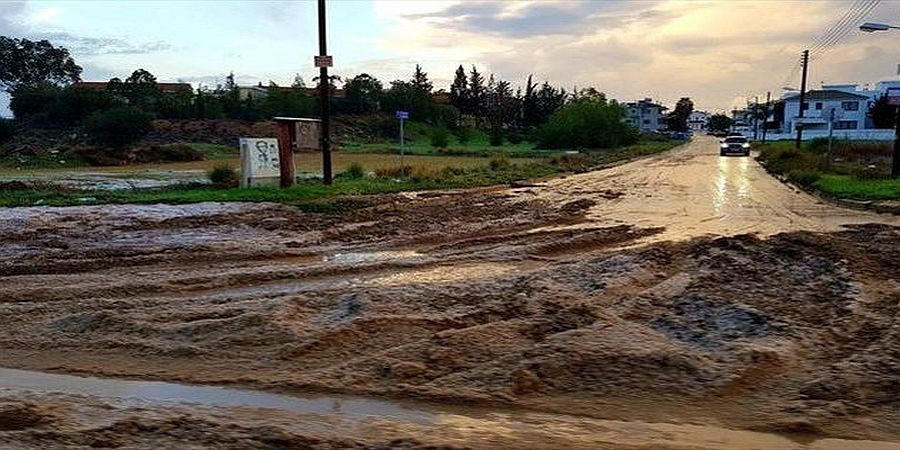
(684,300)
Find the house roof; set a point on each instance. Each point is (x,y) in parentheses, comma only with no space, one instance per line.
(826,94)
(103,85)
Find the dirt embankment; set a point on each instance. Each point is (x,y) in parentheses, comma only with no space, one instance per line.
(480,297)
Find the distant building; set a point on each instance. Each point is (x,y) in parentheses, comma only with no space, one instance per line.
(698,121)
(646,115)
(850,102)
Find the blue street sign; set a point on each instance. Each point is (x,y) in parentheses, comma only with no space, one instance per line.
(403,115)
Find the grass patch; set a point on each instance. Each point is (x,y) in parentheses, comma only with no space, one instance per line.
(845,186)
(859,171)
(314,197)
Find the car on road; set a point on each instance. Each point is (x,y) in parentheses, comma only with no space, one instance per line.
(734,145)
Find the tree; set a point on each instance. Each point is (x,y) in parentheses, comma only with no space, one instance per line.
(420,80)
(298,82)
(27,63)
(141,90)
(530,115)
(477,93)
(404,96)
(363,94)
(882,113)
(459,90)
(679,117)
(548,100)
(590,122)
(719,123)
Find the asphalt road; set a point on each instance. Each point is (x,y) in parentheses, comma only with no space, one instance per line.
(693,191)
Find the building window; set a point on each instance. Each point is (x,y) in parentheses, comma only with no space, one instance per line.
(646,121)
(818,106)
(846,125)
(850,106)
(805,106)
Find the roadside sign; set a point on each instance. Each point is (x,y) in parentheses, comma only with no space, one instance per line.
(403,115)
(323,61)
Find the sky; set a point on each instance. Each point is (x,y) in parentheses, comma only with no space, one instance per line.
(718,52)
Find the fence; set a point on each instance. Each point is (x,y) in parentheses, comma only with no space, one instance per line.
(850,135)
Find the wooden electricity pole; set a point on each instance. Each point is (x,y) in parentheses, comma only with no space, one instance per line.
(324,99)
(799,124)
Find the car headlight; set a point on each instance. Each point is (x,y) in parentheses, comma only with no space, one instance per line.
(745,145)
(724,145)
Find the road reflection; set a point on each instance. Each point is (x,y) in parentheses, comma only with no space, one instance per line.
(732,185)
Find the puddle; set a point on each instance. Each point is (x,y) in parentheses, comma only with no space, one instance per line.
(162,392)
(361,257)
(481,427)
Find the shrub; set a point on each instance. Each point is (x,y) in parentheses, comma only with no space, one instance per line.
(871,172)
(7,130)
(223,175)
(117,127)
(572,162)
(818,145)
(440,137)
(354,171)
(586,123)
(464,134)
(499,162)
(803,177)
(515,138)
(394,171)
(495,137)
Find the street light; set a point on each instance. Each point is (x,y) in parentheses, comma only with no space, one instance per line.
(871,27)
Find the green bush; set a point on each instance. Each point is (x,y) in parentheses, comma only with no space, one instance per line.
(464,134)
(515,138)
(223,175)
(440,137)
(495,137)
(7,130)
(803,177)
(586,123)
(354,172)
(117,127)
(818,145)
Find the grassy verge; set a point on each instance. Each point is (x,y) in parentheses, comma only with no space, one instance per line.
(310,195)
(859,170)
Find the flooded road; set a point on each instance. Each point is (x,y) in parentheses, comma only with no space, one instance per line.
(600,311)
(693,191)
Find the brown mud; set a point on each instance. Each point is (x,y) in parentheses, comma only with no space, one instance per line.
(681,300)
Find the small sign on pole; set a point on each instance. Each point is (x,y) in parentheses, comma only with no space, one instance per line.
(323,61)
(403,116)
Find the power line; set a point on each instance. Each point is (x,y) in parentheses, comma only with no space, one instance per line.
(846,28)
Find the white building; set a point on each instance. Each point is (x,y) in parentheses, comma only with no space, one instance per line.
(698,121)
(646,115)
(850,102)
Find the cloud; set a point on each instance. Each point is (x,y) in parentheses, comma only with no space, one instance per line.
(521,20)
(90,46)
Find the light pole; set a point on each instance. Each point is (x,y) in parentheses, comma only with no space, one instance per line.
(870,27)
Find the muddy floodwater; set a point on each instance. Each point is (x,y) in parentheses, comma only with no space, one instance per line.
(145,176)
(680,301)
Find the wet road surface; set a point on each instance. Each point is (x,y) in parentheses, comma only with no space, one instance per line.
(693,191)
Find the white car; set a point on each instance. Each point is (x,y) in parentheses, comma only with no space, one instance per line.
(734,145)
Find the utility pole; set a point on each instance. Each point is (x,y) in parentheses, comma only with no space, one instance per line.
(755,117)
(799,125)
(895,164)
(324,100)
(768,101)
